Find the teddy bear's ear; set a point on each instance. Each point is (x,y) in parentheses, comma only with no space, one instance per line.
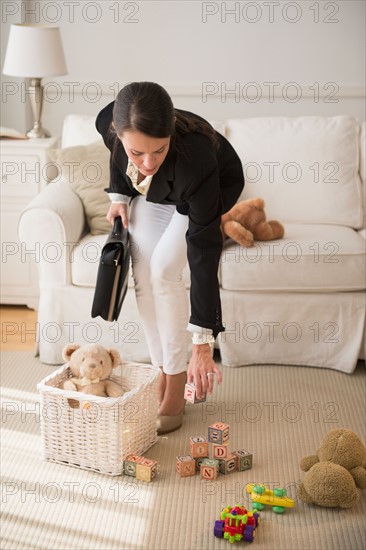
(308,462)
(258,203)
(69,350)
(116,358)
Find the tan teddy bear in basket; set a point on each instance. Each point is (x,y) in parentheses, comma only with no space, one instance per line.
(91,366)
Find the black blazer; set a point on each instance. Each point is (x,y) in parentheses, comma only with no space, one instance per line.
(203,183)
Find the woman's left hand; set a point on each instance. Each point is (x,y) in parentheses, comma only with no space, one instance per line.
(202,369)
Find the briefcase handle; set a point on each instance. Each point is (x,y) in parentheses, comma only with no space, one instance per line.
(117,226)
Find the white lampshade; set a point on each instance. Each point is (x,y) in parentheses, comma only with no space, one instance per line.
(34,51)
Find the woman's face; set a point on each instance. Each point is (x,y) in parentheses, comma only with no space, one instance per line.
(147,153)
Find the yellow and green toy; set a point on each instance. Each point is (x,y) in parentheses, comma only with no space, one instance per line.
(262,496)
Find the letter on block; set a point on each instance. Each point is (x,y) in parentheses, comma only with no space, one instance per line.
(129,466)
(146,469)
(219,451)
(190,394)
(198,446)
(218,433)
(228,464)
(244,460)
(209,469)
(185,466)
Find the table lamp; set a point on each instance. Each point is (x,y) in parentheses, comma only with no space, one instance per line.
(34,51)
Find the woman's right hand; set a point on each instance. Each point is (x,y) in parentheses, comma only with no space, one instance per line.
(115,210)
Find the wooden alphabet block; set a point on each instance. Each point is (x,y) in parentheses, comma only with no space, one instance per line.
(199,462)
(129,465)
(185,466)
(209,469)
(218,433)
(208,472)
(244,460)
(146,470)
(219,451)
(190,394)
(228,464)
(198,446)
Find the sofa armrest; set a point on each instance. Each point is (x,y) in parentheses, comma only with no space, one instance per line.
(50,226)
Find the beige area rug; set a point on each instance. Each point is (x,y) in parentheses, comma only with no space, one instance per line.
(278,413)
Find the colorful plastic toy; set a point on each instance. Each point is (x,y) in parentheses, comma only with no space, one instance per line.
(236,523)
(262,496)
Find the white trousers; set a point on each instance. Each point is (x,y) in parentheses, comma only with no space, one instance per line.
(159,255)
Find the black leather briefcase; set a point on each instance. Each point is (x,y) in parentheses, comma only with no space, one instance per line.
(113,271)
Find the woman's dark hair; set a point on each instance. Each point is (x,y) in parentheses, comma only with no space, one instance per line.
(148,108)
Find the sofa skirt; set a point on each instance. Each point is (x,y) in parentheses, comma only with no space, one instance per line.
(320,330)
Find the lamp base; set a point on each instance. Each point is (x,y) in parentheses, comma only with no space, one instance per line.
(38,132)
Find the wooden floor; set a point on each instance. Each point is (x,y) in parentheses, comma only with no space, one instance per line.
(18,326)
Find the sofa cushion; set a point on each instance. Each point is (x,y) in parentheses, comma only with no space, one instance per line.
(310,258)
(86,169)
(306,168)
(79,130)
(85,261)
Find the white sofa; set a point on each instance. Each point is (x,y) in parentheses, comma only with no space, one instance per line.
(298,301)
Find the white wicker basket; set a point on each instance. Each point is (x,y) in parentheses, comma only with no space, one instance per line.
(102,431)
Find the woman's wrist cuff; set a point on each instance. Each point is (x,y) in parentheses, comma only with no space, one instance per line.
(198,338)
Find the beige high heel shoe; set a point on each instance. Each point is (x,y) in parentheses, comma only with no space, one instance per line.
(169,423)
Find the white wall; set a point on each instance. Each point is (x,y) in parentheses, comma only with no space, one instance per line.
(278,57)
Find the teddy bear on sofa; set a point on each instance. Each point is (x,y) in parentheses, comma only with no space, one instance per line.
(334,473)
(246,222)
(91,366)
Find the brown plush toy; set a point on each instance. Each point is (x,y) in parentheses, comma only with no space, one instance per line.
(246,223)
(91,366)
(333,475)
